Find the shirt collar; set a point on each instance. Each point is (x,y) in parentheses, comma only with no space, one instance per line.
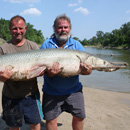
(54,42)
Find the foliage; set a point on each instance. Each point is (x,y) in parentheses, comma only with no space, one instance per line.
(84,42)
(76,39)
(4,29)
(31,33)
(117,38)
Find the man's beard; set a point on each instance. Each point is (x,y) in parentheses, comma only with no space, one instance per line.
(17,38)
(62,37)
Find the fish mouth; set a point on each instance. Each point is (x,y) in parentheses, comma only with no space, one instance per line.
(108,69)
(113,66)
(121,64)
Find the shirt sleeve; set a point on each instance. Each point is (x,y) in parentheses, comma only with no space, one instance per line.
(45,44)
(79,46)
(34,46)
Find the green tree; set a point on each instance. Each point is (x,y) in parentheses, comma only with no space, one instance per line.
(93,41)
(4,29)
(126,33)
(76,39)
(84,42)
(34,35)
(100,37)
(107,37)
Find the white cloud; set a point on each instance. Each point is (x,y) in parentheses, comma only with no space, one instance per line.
(128,11)
(75,4)
(21,1)
(82,10)
(31,11)
(71,5)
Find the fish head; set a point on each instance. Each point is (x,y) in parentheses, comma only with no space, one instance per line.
(96,62)
(103,65)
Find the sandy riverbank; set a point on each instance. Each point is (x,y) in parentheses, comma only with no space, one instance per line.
(105,110)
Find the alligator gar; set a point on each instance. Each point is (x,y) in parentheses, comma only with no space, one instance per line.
(27,65)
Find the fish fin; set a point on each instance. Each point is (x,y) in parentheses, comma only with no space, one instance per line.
(79,58)
(107,69)
(35,72)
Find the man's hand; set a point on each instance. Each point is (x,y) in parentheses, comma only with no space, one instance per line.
(42,73)
(6,74)
(86,69)
(54,70)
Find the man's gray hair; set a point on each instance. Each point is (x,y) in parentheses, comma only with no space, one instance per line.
(63,16)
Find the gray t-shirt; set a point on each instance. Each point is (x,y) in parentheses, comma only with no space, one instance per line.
(19,89)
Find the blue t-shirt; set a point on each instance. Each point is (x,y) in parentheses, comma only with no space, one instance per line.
(57,85)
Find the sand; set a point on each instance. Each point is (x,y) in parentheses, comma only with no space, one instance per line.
(105,110)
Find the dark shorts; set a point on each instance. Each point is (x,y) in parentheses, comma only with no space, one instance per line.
(28,108)
(53,106)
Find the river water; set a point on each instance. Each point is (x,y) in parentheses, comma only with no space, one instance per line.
(112,81)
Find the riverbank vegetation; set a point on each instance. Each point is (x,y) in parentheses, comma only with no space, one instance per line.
(118,38)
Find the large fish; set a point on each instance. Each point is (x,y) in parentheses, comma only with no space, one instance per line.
(27,65)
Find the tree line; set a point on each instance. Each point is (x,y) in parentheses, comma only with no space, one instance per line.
(117,38)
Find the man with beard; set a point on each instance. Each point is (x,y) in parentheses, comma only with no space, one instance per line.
(60,93)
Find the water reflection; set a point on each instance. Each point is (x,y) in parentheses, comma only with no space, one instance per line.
(113,81)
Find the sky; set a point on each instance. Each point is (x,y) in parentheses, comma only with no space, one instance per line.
(87,16)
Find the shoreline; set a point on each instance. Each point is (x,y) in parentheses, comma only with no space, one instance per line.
(105,110)
(107,47)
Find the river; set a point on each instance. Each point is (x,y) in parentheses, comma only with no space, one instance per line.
(118,81)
